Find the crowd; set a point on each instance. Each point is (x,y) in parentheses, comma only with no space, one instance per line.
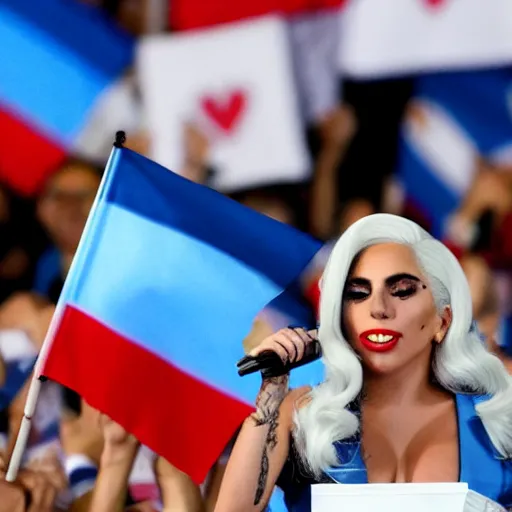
(78,459)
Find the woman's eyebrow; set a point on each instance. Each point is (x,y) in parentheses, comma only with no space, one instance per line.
(395,278)
(358,281)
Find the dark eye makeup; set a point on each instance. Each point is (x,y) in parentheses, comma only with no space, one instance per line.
(401,286)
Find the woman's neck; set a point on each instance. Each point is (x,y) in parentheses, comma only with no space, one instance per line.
(409,385)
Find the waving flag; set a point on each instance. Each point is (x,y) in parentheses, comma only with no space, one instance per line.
(454,120)
(56,59)
(193,14)
(165,285)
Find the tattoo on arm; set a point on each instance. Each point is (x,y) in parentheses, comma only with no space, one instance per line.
(269,399)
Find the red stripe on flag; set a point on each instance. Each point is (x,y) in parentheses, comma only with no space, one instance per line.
(193,14)
(174,414)
(26,158)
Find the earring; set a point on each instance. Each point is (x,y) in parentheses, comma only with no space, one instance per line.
(438,338)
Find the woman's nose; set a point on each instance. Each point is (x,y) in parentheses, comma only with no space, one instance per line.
(381,307)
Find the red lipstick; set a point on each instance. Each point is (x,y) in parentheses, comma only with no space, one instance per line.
(379,340)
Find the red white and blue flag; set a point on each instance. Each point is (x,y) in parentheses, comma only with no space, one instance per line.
(167,281)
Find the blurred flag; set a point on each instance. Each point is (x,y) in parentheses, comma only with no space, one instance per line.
(401,37)
(454,120)
(241,97)
(166,283)
(191,14)
(57,57)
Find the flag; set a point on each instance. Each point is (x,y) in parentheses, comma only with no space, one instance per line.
(165,285)
(454,119)
(193,14)
(57,57)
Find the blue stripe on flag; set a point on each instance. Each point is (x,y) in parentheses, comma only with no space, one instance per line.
(82,29)
(47,82)
(477,100)
(150,190)
(425,188)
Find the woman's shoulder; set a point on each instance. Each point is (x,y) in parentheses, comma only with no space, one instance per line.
(295,399)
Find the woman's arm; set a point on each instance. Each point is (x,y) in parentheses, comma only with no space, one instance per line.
(263,442)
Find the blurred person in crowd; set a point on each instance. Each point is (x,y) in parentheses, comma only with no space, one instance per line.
(333,134)
(403,360)
(19,243)
(100,457)
(378,107)
(487,205)
(132,15)
(33,490)
(63,208)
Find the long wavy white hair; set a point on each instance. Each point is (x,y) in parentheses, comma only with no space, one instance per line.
(461,363)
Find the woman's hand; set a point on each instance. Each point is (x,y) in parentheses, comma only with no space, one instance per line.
(288,344)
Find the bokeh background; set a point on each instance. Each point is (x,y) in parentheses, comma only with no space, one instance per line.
(314,112)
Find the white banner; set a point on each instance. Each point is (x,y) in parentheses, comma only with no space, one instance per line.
(389,37)
(233,83)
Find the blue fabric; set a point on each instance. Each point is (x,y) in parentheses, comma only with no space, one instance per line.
(477,100)
(83,474)
(424,187)
(480,465)
(270,247)
(82,29)
(48,269)
(17,374)
(505,335)
(56,57)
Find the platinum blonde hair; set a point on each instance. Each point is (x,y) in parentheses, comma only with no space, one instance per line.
(461,363)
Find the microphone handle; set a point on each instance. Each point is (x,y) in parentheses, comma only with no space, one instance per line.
(271,365)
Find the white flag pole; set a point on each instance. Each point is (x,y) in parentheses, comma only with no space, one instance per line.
(37,378)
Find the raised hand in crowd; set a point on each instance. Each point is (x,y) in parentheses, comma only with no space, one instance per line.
(119,452)
(179,492)
(35,489)
(196,147)
(335,132)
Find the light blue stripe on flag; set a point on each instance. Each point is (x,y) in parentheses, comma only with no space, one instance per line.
(45,82)
(176,296)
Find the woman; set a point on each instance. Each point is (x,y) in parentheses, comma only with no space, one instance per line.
(411,394)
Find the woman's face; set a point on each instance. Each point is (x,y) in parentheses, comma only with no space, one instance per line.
(389,315)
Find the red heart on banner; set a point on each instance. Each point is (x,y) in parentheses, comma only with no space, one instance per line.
(226,113)
(435,3)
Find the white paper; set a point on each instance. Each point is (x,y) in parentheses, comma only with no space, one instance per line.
(383,37)
(235,84)
(442,497)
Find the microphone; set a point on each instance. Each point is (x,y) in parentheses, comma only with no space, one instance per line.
(271,365)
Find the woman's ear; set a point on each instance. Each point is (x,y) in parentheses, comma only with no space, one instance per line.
(446,321)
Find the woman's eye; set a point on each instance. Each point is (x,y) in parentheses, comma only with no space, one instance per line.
(356,294)
(404,293)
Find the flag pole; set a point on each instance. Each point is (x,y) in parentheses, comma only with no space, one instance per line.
(38,379)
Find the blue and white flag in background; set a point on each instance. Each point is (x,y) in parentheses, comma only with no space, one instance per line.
(454,120)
